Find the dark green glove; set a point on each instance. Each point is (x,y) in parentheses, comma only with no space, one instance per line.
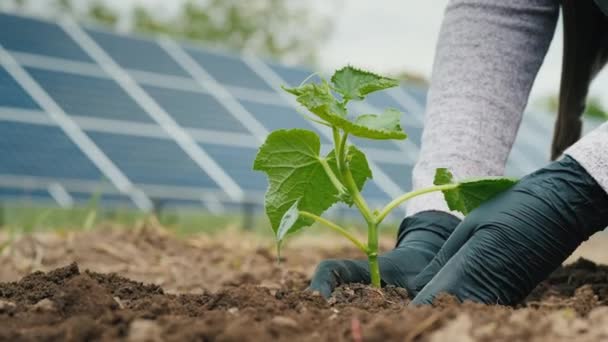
(420,237)
(508,245)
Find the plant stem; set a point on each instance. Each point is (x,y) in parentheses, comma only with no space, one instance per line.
(332,176)
(336,228)
(397,201)
(356,195)
(338,151)
(372,254)
(342,156)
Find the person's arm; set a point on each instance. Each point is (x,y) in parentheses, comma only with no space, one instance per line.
(592,153)
(487,57)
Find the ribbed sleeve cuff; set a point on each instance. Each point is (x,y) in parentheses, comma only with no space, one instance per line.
(592,153)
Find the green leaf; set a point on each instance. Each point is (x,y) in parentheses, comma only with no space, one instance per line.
(287,221)
(319,100)
(291,160)
(471,193)
(353,83)
(384,126)
(358,165)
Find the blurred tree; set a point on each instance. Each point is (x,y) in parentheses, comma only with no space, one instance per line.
(593,109)
(284,29)
(100,13)
(412,78)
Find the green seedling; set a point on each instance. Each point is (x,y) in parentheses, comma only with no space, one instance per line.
(303,183)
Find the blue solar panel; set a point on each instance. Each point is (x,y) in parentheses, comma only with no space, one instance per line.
(89,96)
(377,144)
(418,93)
(101,198)
(38,37)
(276,117)
(399,173)
(11,93)
(196,110)
(152,161)
(43,151)
(372,192)
(175,203)
(128,52)
(229,70)
(238,163)
(292,75)
(25,194)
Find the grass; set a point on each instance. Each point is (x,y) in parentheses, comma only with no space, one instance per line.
(28,217)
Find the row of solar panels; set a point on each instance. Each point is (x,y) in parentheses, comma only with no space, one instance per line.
(137,120)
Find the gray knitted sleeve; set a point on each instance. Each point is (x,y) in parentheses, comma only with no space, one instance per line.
(487,57)
(592,153)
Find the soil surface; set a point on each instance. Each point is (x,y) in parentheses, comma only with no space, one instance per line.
(144,284)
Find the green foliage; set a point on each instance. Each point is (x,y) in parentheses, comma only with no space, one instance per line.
(303,184)
(384,126)
(297,173)
(593,107)
(469,194)
(353,83)
(102,14)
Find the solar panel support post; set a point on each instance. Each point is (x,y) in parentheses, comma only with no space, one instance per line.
(157,207)
(247,209)
(2,214)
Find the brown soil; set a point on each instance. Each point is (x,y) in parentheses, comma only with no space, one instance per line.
(206,289)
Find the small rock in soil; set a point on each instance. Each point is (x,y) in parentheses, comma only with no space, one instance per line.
(45,305)
(284,322)
(143,330)
(458,329)
(6,305)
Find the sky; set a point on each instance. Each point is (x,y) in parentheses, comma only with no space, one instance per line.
(395,35)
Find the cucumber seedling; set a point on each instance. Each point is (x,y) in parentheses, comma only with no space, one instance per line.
(303,183)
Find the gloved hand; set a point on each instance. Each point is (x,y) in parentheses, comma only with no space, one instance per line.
(508,245)
(420,237)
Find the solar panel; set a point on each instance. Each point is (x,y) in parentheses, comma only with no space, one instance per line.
(237,162)
(88,96)
(100,197)
(196,110)
(228,70)
(38,37)
(128,52)
(25,195)
(292,76)
(279,116)
(152,161)
(12,94)
(42,151)
(171,122)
